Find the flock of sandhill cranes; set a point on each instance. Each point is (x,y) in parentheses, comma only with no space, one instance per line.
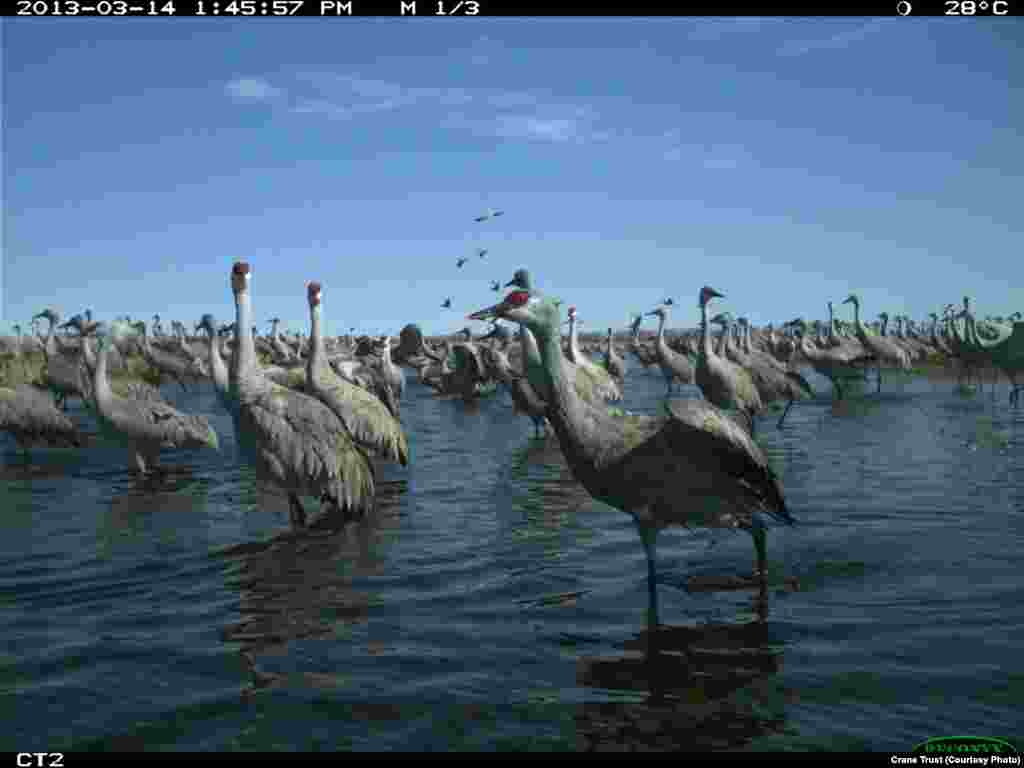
(314,415)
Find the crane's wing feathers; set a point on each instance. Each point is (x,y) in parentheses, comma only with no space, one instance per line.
(30,414)
(367,419)
(307,443)
(158,422)
(709,435)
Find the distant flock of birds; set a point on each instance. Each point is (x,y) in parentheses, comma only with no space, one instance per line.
(314,415)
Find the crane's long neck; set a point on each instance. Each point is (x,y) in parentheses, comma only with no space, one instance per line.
(218,369)
(100,384)
(660,341)
(316,366)
(705,332)
(88,355)
(533,364)
(245,347)
(857,326)
(583,430)
(574,342)
(51,342)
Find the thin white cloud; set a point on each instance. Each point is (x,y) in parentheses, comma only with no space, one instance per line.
(837,41)
(252,89)
(504,113)
(713,157)
(538,129)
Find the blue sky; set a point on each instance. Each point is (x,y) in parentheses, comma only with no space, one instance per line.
(783,162)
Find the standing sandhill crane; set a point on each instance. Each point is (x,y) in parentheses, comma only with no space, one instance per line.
(723,383)
(292,439)
(524,397)
(674,366)
(885,351)
(283,354)
(365,417)
(602,382)
(158,329)
(394,375)
(218,366)
(481,252)
(165,363)
(834,363)
(462,260)
(136,389)
(63,374)
(30,417)
(144,427)
(647,355)
(693,466)
(613,362)
(447,303)
(772,384)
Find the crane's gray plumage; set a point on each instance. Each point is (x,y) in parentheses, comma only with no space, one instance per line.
(613,362)
(674,366)
(30,417)
(135,389)
(692,466)
(367,419)
(722,382)
(144,426)
(292,439)
(166,363)
(602,383)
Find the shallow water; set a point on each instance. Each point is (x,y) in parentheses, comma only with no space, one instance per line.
(490,603)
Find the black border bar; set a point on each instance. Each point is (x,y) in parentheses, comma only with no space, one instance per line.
(486,8)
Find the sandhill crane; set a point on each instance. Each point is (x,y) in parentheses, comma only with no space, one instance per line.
(143,426)
(613,362)
(692,466)
(723,383)
(674,366)
(365,417)
(136,389)
(647,355)
(481,252)
(883,349)
(30,417)
(495,286)
(293,440)
(63,373)
(218,366)
(772,384)
(462,260)
(602,382)
(165,363)
(447,303)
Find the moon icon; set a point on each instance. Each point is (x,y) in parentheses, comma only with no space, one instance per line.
(903,8)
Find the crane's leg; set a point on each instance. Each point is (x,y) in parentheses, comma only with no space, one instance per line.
(648,535)
(296,512)
(879,389)
(786,411)
(760,536)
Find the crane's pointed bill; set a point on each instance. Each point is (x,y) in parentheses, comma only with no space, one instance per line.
(513,300)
